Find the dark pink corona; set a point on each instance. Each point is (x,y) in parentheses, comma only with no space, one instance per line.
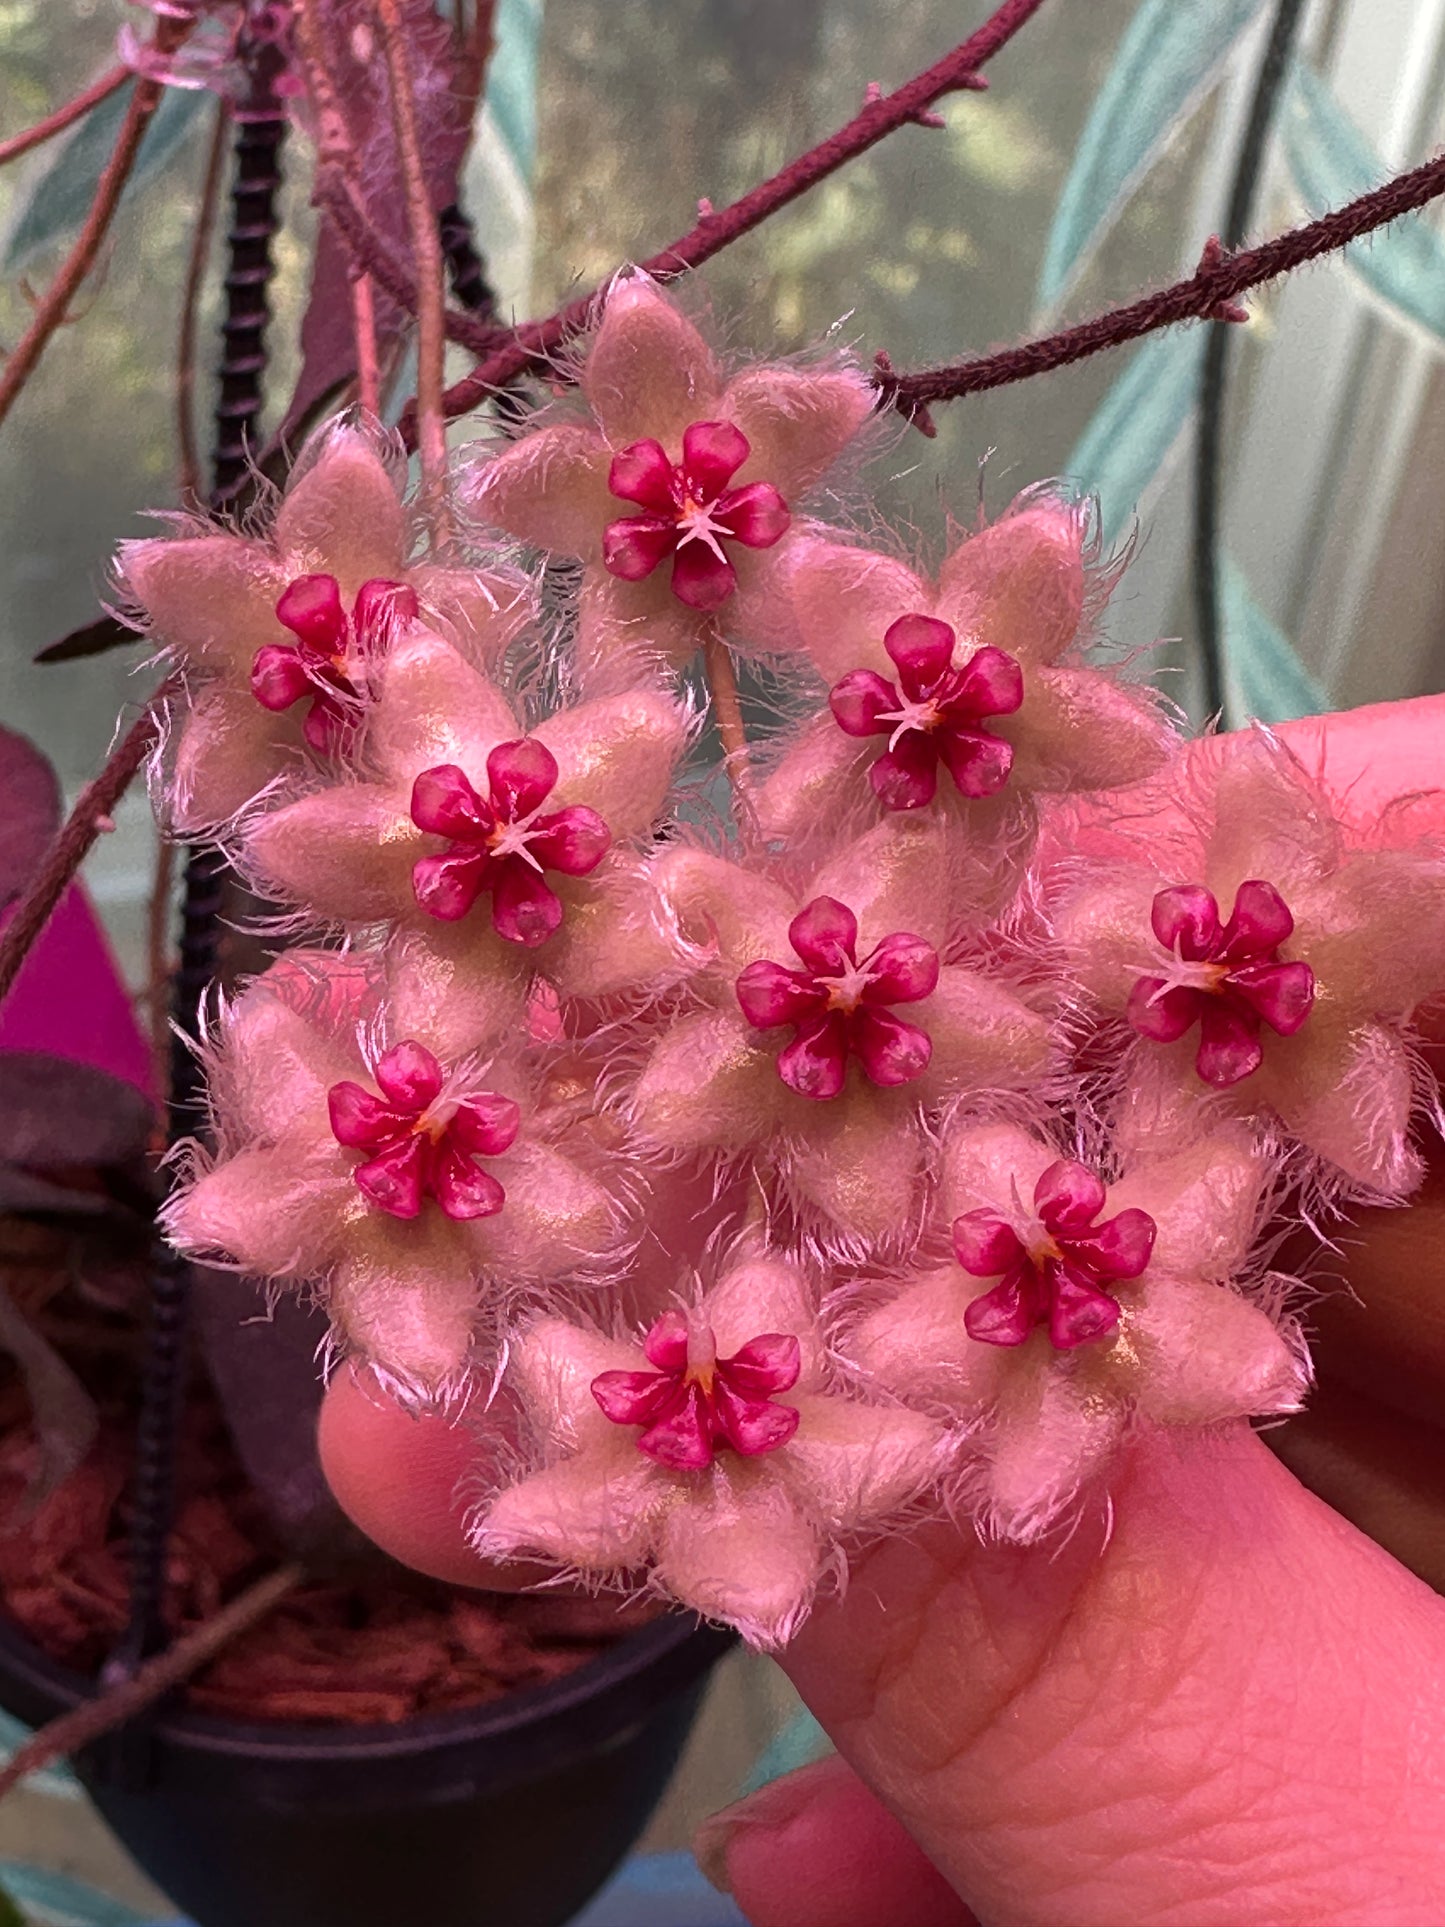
(503,843)
(690,513)
(839,1007)
(1228,978)
(695,1403)
(1053,1266)
(933,714)
(421,1144)
(329,659)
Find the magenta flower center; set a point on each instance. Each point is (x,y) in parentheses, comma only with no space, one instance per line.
(840,1007)
(333,651)
(694,1404)
(423,1141)
(934,713)
(503,843)
(690,513)
(1053,1263)
(1229,978)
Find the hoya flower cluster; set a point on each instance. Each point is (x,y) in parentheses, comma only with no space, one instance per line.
(903,1130)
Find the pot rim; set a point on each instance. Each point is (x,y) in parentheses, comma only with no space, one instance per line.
(674,1649)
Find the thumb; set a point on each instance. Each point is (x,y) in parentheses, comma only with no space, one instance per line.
(1221,1705)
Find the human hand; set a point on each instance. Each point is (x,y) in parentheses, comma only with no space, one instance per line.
(1221,1704)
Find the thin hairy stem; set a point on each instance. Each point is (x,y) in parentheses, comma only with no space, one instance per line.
(531,345)
(90,818)
(427,255)
(93,1719)
(372,254)
(363,328)
(475,44)
(54,305)
(727,710)
(66,116)
(1205,295)
(191,482)
(1214,375)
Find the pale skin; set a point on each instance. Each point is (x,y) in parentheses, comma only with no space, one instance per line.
(1228,1711)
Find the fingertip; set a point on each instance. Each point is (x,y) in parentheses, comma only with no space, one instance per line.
(404,1478)
(817,1849)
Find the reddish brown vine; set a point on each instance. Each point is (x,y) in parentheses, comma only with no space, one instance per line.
(1207,294)
(531,345)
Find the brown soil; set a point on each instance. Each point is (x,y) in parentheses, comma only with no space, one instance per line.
(376,1644)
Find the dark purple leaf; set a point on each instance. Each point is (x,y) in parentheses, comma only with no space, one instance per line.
(55,1113)
(29,811)
(24,1191)
(64,1412)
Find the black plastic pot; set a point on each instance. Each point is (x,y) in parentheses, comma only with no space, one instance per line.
(506,1815)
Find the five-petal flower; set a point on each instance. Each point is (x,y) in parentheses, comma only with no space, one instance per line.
(1053,1263)
(311,609)
(504,843)
(693,1403)
(327,663)
(733,1500)
(416,841)
(981,669)
(1174,1341)
(712,1084)
(937,715)
(841,1007)
(714,468)
(690,513)
(1228,978)
(1334,940)
(421,1140)
(318,1181)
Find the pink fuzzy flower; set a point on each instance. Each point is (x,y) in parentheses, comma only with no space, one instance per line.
(1302,997)
(503,844)
(1066,1323)
(1227,978)
(734,1502)
(937,715)
(456,804)
(980,670)
(689,513)
(839,1007)
(327,663)
(421,1145)
(330,1139)
(710,468)
(1057,1261)
(309,610)
(719,1077)
(693,1403)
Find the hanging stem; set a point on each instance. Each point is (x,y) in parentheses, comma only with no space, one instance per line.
(1205,295)
(535,343)
(90,818)
(363,324)
(1214,376)
(190,457)
(93,1719)
(259,130)
(54,305)
(722,683)
(66,116)
(427,255)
